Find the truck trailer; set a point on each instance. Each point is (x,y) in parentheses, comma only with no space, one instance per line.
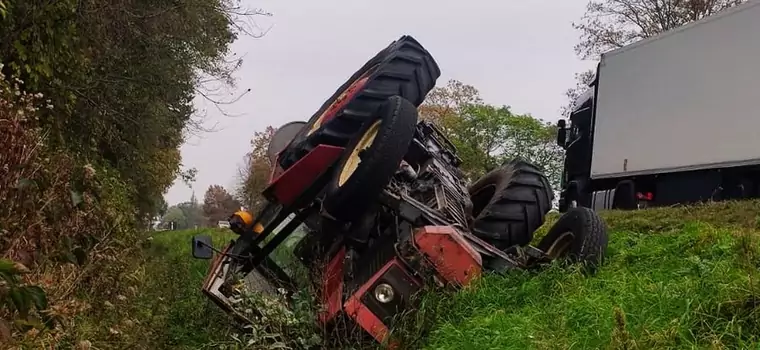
(669,120)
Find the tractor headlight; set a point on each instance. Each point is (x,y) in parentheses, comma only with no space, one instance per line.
(384,293)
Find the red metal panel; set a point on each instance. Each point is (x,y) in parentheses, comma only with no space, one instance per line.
(297,179)
(332,287)
(451,255)
(362,315)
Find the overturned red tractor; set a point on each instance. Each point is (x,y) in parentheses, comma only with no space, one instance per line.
(387,209)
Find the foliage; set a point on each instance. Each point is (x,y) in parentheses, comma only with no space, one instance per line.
(218,205)
(121,77)
(668,283)
(163,307)
(486,136)
(63,218)
(445,103)
(185,215)
(583,81)
(277,323)
(89,138)
(19,299)
(174,219)
(612,24)
(254,176)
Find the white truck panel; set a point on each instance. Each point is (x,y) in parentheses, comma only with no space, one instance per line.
(685,100)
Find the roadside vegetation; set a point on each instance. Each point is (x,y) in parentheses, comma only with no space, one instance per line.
(95,100)
(681,278)
(675,278)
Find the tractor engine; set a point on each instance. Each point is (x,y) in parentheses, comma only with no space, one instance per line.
(430,174)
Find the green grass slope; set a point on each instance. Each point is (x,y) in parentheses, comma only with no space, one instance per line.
(675,278)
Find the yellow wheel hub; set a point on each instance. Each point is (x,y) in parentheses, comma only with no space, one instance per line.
(560,246)
(354,160)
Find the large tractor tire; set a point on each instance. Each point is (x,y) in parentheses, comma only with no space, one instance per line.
(579,236)
(404,68)
(370,160)
(510,203)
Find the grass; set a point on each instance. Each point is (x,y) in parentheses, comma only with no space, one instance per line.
(675,278)
(186,318)
(167,309)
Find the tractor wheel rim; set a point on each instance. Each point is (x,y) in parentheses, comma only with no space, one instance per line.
(354,159)
(341,102)
(560,245)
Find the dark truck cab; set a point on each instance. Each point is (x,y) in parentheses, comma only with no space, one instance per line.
(576,140)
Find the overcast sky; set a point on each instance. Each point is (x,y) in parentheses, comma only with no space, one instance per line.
(516,52)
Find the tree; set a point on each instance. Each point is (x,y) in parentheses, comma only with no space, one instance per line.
(254,176)
(486,136)
(443,103)
(192,212)
(218,205)
(582,82)
(163,207)
(120,77)
(611,24)
(174,215)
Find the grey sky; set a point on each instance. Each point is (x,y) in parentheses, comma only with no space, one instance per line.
(516,52)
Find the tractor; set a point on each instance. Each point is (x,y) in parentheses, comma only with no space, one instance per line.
(386,209)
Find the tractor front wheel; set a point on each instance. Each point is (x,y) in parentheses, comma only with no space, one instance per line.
(579,236)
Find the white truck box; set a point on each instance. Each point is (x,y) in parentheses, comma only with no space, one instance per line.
(687,99)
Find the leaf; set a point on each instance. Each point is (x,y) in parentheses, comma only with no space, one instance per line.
(7,266)
(69,257)
(80,255)
(37,296)
(76,198)
(48,319)
(29,323)
(20,301)
(20,50)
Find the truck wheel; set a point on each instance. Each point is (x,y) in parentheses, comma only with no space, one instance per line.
(510,203)
(625,196)
(404,68)
(370,160)
(579,236)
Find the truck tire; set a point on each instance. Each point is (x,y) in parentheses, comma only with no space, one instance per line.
(625,196)
(580,236)
(404,68)
(370,160)
(510,203)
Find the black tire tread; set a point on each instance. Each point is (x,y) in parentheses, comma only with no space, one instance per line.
(522,198)
(590,241)
(405,69)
